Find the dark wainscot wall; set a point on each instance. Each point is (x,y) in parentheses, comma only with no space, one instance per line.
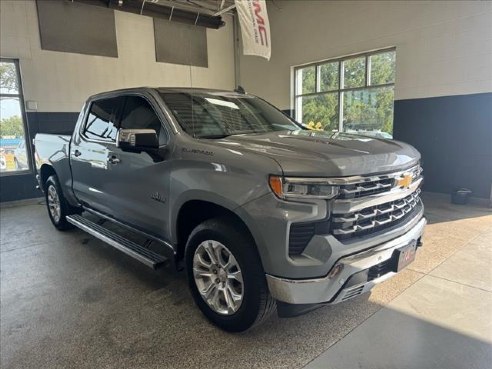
(454,136)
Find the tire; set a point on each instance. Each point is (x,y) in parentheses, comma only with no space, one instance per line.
(54,196)
(256,304)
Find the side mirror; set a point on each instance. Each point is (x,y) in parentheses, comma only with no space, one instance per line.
(137,140)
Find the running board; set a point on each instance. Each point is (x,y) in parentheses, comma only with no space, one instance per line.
(142,254)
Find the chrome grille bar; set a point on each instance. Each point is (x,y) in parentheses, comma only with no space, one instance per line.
(346,206)
(359,180)
(374,217)
(357,187)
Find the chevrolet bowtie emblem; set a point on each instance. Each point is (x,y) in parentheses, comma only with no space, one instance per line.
(405,180)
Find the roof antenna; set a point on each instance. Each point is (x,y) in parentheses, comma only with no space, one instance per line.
(240,90)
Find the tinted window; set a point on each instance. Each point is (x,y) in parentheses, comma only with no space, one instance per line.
(208,115)
(139,114)
(100,122)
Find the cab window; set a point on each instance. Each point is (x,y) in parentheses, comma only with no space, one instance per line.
(100,122)
(139,114)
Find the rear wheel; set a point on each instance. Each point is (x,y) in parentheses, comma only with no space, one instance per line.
(225,276)
(58,207)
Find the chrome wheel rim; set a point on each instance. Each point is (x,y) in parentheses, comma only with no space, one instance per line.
(218,277)
(54,203)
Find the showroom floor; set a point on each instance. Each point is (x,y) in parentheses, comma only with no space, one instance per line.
(70,301)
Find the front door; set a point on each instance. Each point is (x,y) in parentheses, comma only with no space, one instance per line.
(141,180)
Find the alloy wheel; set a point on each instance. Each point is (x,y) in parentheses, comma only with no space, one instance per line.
(218,277)
(54,203)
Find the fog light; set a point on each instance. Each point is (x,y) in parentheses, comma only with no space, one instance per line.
(336,270)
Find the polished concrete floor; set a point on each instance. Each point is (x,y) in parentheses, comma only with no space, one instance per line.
(70,301)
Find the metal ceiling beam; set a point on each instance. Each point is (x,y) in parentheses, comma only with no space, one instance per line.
(152,9)
(225,10)
(185,5)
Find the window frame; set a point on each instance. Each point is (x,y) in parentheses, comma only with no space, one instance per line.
(340,90)
(27,136)
(122,95)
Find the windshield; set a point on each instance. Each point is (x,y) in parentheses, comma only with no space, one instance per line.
(215,115)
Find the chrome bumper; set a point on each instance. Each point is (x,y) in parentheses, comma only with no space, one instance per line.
(38,179)
(330,289)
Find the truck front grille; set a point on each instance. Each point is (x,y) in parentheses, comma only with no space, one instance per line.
(375,218)
(354,191)
(357,187)
(369,220)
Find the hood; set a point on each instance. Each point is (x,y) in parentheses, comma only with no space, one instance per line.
(318,153)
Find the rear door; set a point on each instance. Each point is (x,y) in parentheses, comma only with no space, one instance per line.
(141,180)
(90,154)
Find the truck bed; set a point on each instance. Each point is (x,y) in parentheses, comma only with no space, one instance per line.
(53,150)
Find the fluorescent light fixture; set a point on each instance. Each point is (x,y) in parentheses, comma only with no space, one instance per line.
(227,104)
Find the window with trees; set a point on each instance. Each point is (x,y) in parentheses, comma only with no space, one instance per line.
(351,94)
(13,151)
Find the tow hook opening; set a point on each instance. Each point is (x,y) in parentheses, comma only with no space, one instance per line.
(336,270)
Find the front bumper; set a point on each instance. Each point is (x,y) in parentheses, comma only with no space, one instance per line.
(338,287)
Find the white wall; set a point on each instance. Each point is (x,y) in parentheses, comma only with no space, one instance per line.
(60,82)
(442,47)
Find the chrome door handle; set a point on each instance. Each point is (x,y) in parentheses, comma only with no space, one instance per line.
(77,153)
(114,160)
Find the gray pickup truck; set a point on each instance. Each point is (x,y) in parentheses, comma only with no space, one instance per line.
(262,213)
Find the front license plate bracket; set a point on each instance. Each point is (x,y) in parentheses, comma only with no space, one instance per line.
(404,256)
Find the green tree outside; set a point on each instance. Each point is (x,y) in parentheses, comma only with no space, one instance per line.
(12,126)
(370,108)
(8,78)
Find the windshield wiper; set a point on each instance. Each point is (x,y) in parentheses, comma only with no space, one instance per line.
(214,136)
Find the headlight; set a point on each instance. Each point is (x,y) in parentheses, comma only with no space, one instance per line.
(310,188)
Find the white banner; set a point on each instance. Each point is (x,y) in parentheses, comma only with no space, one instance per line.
(255,27)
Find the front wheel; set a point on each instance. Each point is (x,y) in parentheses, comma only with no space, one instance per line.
(58,207)
(225,276)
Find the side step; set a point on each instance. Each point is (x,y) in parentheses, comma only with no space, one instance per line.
(142,254)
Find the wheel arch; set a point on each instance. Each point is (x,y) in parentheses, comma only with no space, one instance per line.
(45,172)
(192,212)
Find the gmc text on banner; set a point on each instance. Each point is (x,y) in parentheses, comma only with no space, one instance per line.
(255,27)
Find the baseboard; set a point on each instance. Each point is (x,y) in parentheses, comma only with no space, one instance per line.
(477,201)
(11,204)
